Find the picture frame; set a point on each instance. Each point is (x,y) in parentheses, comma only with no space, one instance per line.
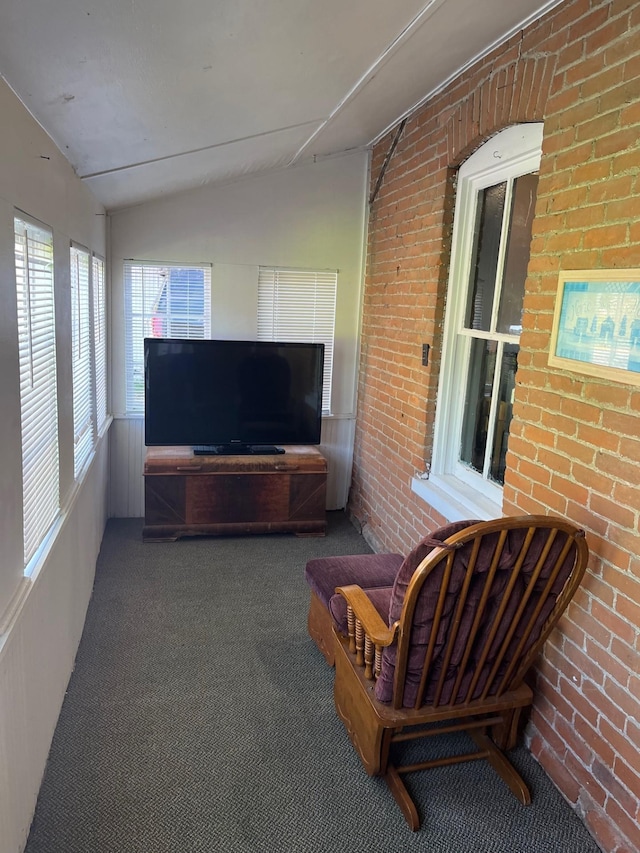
(596,324)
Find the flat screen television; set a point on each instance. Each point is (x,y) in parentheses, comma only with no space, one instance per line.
(232,396)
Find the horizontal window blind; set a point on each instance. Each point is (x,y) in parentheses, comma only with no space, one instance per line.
(99,339)
(38,382)
(81,358)
(299,306)
(161,301)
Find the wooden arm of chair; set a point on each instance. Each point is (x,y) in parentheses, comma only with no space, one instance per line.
(374,626)
(368,633)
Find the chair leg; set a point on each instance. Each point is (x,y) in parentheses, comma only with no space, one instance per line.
(402,797)
(320,628)
(501,764)
(505,735)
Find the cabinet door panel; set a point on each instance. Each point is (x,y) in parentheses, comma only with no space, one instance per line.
(164,500)
(237,498)
(308,497)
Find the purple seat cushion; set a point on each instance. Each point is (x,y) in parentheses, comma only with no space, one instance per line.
(369,571)
(380,598)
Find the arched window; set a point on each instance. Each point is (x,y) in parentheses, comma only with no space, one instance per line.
(494,213)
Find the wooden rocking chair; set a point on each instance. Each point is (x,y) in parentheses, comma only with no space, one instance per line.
(465,625)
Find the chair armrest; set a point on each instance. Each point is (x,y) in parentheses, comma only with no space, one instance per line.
(374,627)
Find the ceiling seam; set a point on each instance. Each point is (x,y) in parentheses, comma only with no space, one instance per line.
(195,150)
(404,36)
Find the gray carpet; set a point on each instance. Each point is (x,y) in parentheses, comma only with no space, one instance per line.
(200,718)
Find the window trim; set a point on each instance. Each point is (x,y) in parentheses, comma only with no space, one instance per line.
(99,336)
(451,488)
(82,356)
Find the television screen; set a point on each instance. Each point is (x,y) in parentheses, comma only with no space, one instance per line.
(232,396)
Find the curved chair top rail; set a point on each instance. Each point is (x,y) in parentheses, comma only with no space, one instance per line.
(477,609)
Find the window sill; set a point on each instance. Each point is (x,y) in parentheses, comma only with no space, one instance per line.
(454,500)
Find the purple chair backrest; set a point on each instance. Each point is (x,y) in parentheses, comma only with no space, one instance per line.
(475,612)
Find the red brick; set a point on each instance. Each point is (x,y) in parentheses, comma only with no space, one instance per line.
(621,257)
(611,553)
(602,830)
(558,773)
(630,449)
(575,449)
(628,655)
(630,115)
(556,462)
(596,702)
(569,489)
(589,478)
(625,750)
(555,422)
(613,189)
(608,621)
(611,510)
(610,395)
(583,662)
(632,729)
(629,610)
(620,140)
(592,788)
(550,498)
(602,36)
(606,236)
(584,707)
(626,775)
(626,824)
(619,468)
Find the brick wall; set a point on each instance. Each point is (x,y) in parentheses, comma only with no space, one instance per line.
(574,447)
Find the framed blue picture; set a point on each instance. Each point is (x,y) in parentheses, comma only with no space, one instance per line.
(596,324)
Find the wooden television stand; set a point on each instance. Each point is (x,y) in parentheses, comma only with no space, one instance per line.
(188,495)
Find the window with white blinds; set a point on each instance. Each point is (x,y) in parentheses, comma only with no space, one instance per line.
(299,306)
(99,339)
(161,301)
(81,358)
(38,382)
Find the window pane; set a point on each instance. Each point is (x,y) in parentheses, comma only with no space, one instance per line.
(477,404)
(484,429)
(508,367)
(484,265)
(517,257)
(38,382)
(162,301)
(299,305)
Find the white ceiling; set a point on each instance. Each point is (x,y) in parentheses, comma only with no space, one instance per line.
(149,97)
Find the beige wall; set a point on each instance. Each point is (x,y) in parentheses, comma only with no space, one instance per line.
(41,617)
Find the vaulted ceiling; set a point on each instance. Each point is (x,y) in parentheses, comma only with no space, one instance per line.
(150,97)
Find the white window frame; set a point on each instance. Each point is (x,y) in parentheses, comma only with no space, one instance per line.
(142,290)
(83,418)
(299,306)
(34,267)
(99,299)
(451,487)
